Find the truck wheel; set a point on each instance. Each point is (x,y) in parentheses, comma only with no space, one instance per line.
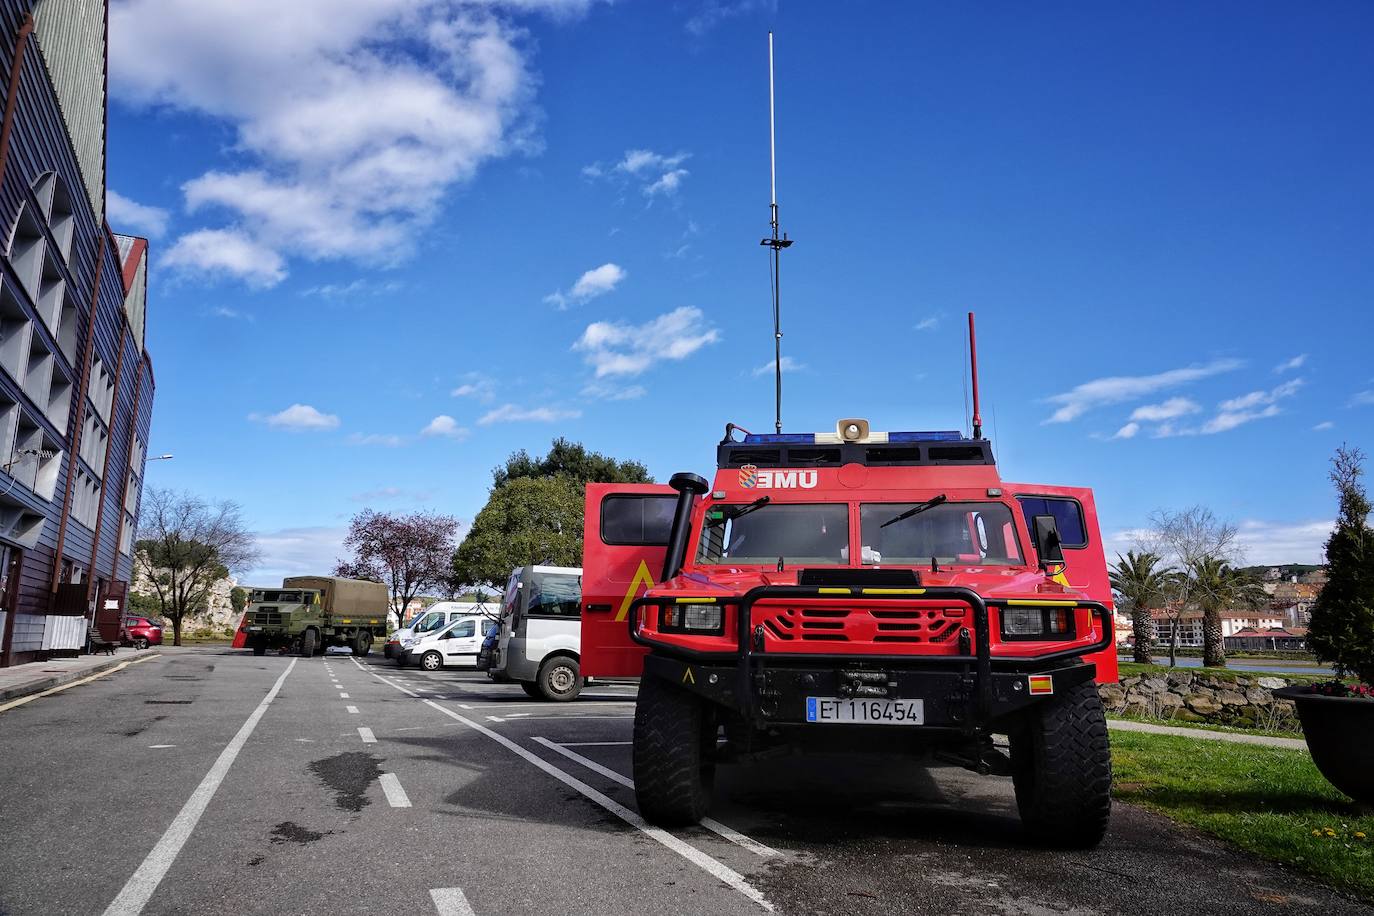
(531,690)
(362,645)
(431,661)
(259,650)
(673,772)
(1062,769)
(560,679)
(308,643)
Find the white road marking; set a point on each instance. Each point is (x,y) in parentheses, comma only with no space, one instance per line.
(140,887)
(517,715)
(544,705)
(343,696)
(391,786)
(717,869)
(495,719)
(367,736)
(715,826)
(573,718)
(449,901)
(161,745)
(353,710)
(597,743)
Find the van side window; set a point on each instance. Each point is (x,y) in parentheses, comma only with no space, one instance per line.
(637,521)
(464,629)
(1068,517)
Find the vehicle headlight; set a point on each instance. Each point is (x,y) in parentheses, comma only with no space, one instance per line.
(697,618)
(1037,622)
(407,643)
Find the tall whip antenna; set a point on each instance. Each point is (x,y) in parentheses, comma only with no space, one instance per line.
(775,243)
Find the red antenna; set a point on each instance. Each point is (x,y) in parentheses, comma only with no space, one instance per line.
(973,361)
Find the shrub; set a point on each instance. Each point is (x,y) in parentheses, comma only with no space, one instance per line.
(1342,630)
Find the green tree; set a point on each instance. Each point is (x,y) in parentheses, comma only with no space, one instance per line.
(1142,583)
(570,459)
(527,520)
(1214,586)
(141,605)
(1342,630)
(238,598)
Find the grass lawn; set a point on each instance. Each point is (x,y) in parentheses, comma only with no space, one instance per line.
(1294,732)
(1269,801)
(1133,669)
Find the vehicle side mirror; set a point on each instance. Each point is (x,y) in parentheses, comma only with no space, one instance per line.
(1047,542)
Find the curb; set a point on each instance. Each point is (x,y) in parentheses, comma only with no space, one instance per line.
(66,677)
(1126,725)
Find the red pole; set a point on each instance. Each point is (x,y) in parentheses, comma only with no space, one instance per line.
(973,360)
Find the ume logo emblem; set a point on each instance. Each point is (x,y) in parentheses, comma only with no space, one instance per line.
(750,477)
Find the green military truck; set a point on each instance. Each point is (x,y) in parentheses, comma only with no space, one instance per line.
(309,613)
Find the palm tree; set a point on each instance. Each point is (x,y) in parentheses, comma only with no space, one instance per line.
(1139,579)
(1214,586)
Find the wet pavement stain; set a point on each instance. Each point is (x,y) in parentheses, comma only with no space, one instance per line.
(256,861)
(288,832)
(349,775)
(137,730)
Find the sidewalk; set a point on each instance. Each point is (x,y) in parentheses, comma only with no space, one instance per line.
(36,677)
(1292,744)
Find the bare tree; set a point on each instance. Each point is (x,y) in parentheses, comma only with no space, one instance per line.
(1194,540)
(409,553)
(186,545)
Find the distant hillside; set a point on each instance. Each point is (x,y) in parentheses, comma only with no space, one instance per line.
(1286,570)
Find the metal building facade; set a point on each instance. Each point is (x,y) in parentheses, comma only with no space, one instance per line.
(76,382)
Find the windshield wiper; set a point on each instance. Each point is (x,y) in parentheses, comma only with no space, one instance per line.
(916,510)
(730,513)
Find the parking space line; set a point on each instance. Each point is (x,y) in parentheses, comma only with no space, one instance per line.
(572,718)
(450,901)
(140,887)
(715,826)
(597,743)
(343,696)
(353,710)
(391,787)
(367,736)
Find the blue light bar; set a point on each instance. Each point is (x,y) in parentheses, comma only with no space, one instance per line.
(780,439)
(934,435)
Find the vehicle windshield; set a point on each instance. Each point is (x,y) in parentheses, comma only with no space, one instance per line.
(555,593)
(953,534)
(430,621)
(276,597)
(794,533)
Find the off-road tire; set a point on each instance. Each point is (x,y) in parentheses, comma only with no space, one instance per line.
(1062,769)
(531,690)
(309,642)
(560,679)
(362,645)
(259,650)
(674,735)
(431,661)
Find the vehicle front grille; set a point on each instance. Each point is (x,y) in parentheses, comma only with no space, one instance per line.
(916,629)
(267,616)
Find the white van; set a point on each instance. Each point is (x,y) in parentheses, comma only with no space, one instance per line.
(455,646)
(431,620)
(540,644)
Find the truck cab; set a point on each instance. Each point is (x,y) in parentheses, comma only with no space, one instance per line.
(857,591)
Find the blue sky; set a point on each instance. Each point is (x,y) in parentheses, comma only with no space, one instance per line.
(394,241)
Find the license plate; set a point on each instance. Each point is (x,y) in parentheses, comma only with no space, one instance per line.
(865,712)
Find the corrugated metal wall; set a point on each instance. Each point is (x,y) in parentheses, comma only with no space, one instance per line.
(71,34)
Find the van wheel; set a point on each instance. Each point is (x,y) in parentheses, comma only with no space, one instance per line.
(560,679)
(308,643)
(673,771)
(431,661)
(531,690)
(1062,769)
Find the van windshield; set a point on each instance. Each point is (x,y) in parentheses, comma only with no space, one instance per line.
(431,621)
(555,594)
(953,534)
(816,534)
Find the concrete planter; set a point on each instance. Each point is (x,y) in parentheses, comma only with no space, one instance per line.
(1338,732)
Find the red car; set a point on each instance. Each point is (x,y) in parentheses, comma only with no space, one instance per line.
(140,632)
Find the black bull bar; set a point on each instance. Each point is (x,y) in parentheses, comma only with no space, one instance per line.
(743,660)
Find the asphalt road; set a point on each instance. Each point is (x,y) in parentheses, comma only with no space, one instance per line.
(210,781)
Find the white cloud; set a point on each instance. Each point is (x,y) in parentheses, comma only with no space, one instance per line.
(387,440)
(476,386)
(928,324)
(446,426)
(354,288)
(1290,364)
(296,552)
(223,311)
(1260,398)
(1257,405)
(510,413)
(713,12)
(351,118)
(1325,424)
(654,173)
(1272,543)
(622,349)
(1127,432)
(1116,389)
(298,417)
(1169,410)
(596,282)
(133,218)
(613,392)
(1362,398)
(225,252)
(788,365)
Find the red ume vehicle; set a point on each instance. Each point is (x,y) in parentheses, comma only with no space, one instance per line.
(140,632)
(856,591)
